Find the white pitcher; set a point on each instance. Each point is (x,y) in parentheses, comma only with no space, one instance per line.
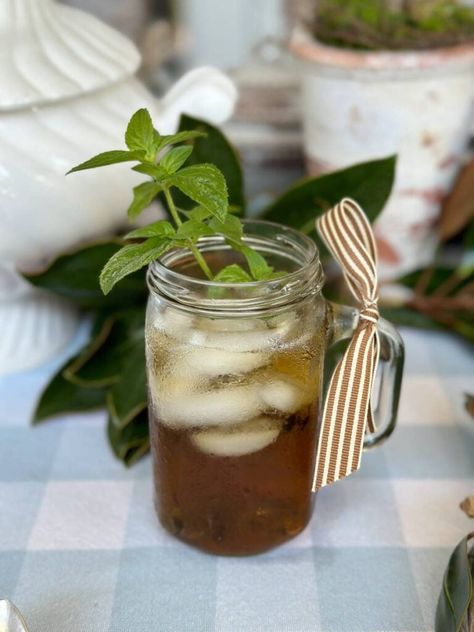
(67,90)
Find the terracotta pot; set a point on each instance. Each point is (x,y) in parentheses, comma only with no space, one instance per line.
(358,106)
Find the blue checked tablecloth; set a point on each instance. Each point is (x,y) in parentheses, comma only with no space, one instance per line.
(81,550)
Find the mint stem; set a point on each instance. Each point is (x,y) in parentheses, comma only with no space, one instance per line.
(172,207)
(197,255)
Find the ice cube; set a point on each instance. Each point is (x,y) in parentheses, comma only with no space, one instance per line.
(284,395)
(224,406)
(244,439)
(242,342)
(174,323)
(213,362)
(231,324)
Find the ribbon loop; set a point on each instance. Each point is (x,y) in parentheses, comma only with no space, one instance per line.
(347,411)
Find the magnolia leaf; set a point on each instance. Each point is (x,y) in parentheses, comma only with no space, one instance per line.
(161,228)
(130,259)
(128,395)
(108,158)
(75,276)
(233,274)
(467,505)
(102,361)
(204,184)
(62,397)
(469,404)
(140,133)
(130,443)
(457,592)
(175,158)
(179,137)
(458,208)
(192,229)
(369,184)
(143,196)
(215,148)
(408,317)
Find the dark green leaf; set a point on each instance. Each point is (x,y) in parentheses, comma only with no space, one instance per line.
(130,259)
(368,183)
(75,277)
(102,361)
(469,403)
(204,184)
(179,137)
(161,228)
(140,133)
(130,443)
(457,591)
(61,397)
(216,149)
(143,196)
(128,396)
(233,274)
(408,317)
(108,158)
(193,229)
(467,263)
(175,158)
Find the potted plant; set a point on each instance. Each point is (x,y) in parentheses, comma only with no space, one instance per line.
(390,77)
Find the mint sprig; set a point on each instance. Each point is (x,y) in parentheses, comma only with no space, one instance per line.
(163,160)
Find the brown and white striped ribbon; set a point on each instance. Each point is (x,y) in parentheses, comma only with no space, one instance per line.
(347,411)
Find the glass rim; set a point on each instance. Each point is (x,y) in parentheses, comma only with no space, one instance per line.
(294,284)
(314,258)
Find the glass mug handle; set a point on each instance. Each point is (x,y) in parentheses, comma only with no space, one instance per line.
(388,378)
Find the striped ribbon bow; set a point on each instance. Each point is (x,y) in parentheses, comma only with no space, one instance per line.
(347,411)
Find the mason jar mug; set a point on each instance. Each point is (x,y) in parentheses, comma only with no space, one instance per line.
(235,377)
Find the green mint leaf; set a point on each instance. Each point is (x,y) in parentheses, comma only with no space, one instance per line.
(198,213)
(140,133)
(233,274)
(259,268)
(154,171)
(231,228)
(143,195)
(204,184)
(192,229)
(108,158)
(175,158)
(162,228)
(175,139)
(130,259)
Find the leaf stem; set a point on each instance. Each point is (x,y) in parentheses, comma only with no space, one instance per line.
(172,207)
(197,255)
(202,262)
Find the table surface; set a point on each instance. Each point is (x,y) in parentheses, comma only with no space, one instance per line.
(81,550)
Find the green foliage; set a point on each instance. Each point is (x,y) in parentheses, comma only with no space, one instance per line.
(455,607)
(73,276)
(201,183)
(369,184)
(110,370)
(407,24)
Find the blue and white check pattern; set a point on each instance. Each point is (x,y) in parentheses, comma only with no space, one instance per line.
(81,551)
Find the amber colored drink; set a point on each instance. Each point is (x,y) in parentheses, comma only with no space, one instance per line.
(233,416)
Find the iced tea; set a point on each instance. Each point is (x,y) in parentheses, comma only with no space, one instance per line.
(233,415)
